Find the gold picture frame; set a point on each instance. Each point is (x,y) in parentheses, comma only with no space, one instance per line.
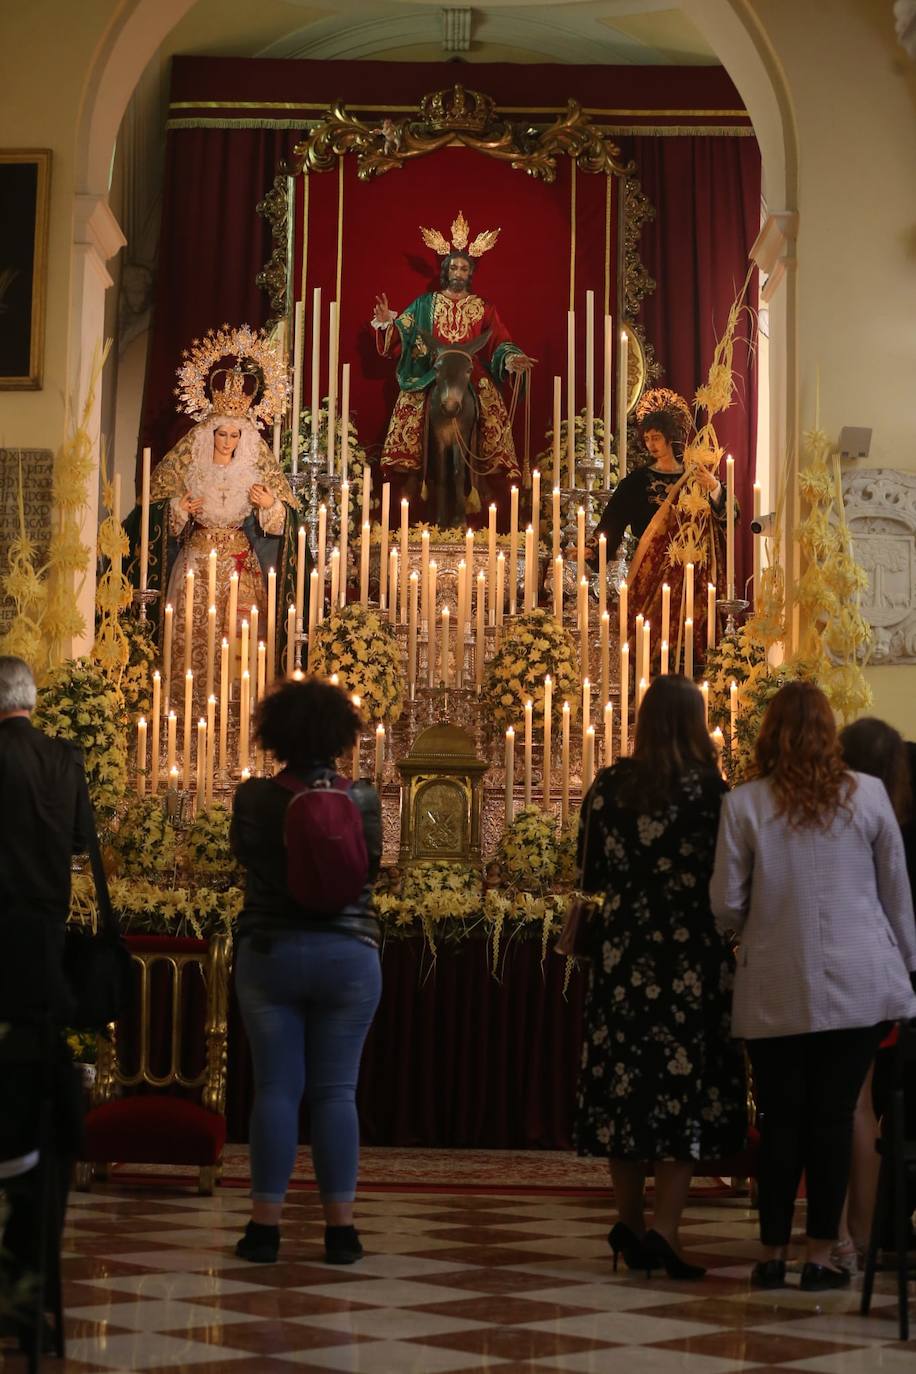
(25,185)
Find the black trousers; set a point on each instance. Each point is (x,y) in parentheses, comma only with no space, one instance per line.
(806,1088)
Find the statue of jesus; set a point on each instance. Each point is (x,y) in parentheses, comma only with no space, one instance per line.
(451,321)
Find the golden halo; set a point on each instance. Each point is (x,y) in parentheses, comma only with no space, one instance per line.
(672,403)
(194,388)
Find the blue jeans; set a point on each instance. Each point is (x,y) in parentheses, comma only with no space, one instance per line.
(307,1000)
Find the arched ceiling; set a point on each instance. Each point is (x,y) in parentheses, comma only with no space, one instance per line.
(617,32)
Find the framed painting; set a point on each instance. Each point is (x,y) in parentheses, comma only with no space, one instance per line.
(25,180)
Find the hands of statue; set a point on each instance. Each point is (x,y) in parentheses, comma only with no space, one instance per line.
(707,480)
(383,314)
(259,495)
(191,505)
(520,362)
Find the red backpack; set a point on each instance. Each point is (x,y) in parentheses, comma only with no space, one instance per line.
(327,864)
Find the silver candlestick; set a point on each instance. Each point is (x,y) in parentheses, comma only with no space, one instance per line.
(143,599)
(732,607)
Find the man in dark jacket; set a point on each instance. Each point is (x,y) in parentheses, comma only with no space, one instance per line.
(47,817)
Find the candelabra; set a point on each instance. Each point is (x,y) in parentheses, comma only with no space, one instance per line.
(733,607)
(144,598)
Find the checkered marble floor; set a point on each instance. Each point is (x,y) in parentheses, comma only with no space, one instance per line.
(452,1282)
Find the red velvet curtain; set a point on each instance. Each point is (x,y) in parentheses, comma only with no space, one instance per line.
(706,196)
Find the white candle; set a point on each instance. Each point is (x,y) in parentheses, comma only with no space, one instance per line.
(157,719)
(316,360)
(513,550)
(444,663)
(167,656)
(211,647)
(424,574)
(529,568)
(431,625)
(412,633)
(602,574)
(688,591)
(171,732)
(583,625)
(548,726)
(345,424)
(604,645)
(590,371)
(322,553)
(144,520)
(510,773)
(188,617)
(211,577)
(664,657)
(608,733)
(529,745)
(536,505)
(688,647)
(223,705)
(500,590)
(379,753)
(624,698)
(313,615)
(556,525)
(491,561)
(622,613)
(290,640)
(271,623)
(141,756)
(344,541)
(608,406)
(393,587)
(557,425)
(733,718)
(211,745)
(623,400)
(187,723)
(335,581)
(730,527)
(364,565)
(462,617)
(469,567)
(298,336)
(580,543)
(383,548)
(243,651)
(253,630)
(711,615)
(564,766)
(300,574)
(244,719)
(558,588)
(637,647)
(666,611)
(647,651)
(640,693)
(201,762)
(481,635)
(404,564)
(704,689)
(588,759)
(758,543)
(586,704)
(332,387)
(571,400)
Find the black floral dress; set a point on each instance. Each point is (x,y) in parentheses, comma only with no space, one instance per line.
(660,1078)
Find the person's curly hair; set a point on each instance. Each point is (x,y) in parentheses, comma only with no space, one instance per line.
(798,750)
(307,723)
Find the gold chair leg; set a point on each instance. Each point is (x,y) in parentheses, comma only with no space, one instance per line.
(206,1180)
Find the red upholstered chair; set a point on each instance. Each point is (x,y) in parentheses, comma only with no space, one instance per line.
(160,1090)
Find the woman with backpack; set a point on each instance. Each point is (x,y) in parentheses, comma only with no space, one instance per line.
(308,975)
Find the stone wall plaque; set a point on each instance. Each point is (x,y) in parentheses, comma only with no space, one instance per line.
(37,468)
(881,513)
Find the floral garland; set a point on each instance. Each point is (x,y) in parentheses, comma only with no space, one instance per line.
(145,908)
(79,702)
(534,645)
(362,649)
(146,842)
(207,848)
(137,677)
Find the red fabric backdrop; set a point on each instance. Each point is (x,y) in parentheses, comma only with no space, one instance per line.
(705,189)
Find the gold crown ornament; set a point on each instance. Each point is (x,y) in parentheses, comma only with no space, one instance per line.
(662,398)
(457,110)
(255,384)
(459,241)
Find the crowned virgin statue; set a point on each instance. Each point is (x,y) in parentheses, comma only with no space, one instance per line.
(221,488)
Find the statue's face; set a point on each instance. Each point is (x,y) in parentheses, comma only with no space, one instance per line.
(658,446)
(225,440)
(459,274)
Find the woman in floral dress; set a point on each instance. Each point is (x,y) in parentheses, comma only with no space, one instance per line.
(661,1080)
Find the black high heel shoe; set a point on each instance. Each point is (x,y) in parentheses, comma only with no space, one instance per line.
(660,1255)
(625,1242)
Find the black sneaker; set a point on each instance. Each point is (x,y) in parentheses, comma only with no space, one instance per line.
(260,1244)
(820,1278)
(769,1274)
(341,1245)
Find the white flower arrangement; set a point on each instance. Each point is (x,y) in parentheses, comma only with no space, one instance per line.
(362,649)
(533,646)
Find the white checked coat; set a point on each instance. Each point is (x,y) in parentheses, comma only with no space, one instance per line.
(824,918)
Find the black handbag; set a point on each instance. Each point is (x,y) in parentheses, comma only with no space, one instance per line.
(97,967)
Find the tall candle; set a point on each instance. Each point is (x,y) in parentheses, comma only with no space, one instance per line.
(529,744)
(383,548)
(171,731)
(558,588)
(557,426)
(480,646)
(144,520)
(500,590)
(688,647)
(188,617)
(316,362)
(379,753)
(253,630)
(335,581)
(344,541)
(510,773)
(608,733)
(469,567)
(332,387)
(344,425)
(623,405)
(640,693)
(529,569)
(244,719)
(393,587)
(211,577)
(271,623)
(602,574)
(637,646)
(300,575)
(424,574)
(313,615)
(571,400)
(711,616)
(155,738)
(647,651)
(404,563)
(604,645)
(583,624)
(536,505)
(431,625)
(757,544)
(444,668)
(622,610)
(364,565)
(663,657)
(548,726)
(588,759)
(564,766)
(624,698)
(704,690)
(580,543)
(412,633)
(733,718)
(211,647)
(608,412)
(167,656)
(556,523)
(141,756)
(290,640)
(730,527)
(590,371)
(513,550)
(298,341)
(367,493)
(491,561)
(322,554)
(187,723)
(461,620)
(201,762)
(223,705)
(211,745)
(666,611)
(586,704)
(688,591)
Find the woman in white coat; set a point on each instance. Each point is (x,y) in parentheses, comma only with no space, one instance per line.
(810,875)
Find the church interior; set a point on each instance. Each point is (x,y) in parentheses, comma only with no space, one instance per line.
(491,363)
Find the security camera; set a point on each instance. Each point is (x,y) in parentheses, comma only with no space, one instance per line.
(765,525)
(854,442)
